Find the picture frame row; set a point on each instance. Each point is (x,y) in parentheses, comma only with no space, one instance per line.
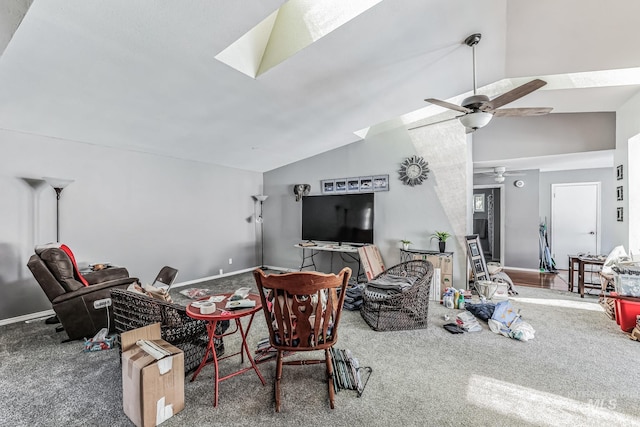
(362,184)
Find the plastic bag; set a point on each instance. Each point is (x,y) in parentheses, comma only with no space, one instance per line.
(617,254)
(522,331)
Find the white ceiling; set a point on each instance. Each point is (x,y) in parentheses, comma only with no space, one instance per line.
(141,75)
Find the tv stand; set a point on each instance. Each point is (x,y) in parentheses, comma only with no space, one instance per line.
(309,252)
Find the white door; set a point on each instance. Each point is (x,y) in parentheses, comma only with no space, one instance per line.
(575,221)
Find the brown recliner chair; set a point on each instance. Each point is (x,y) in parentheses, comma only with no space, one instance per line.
(72,295)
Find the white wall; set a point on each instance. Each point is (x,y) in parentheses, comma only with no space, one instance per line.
(627,128)
(132,209)
(551,37)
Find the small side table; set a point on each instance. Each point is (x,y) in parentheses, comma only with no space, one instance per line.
(212,320)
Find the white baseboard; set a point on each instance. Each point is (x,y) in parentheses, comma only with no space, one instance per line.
(534,270)
(49,313)
(27,317)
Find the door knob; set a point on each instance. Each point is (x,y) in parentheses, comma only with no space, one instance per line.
(592,232)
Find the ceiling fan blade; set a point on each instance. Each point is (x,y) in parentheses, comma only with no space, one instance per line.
(521,112)
(516,93)
(448,105)
(435,123)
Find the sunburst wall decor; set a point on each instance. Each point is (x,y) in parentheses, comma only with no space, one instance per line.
(413,171)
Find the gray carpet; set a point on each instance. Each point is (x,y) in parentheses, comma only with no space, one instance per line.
(579,370)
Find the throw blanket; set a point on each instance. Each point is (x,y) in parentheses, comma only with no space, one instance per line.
(392,283)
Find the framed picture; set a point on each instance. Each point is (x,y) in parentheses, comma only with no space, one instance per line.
(340,186)
(619,193)
(620,214)
(381,183)
(328,186)
(353,185)
(474,249)
(366,184)
(619,172)
(478,202)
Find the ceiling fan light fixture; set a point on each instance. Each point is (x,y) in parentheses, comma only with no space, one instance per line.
(476,120)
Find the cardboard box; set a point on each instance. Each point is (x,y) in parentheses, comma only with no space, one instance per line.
(152,390)
(446,264)
(371,260)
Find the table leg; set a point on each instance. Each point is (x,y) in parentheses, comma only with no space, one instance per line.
(211,348)
(305,257)
(211,327)
(581,278)
(245,347)
(570,284)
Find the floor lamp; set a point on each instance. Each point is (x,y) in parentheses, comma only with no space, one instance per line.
(259,219)
(58,185)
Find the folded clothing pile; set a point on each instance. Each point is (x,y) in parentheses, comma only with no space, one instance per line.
(353,297)
(468,322)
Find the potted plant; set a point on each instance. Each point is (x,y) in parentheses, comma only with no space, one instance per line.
(442,237)
(405,244)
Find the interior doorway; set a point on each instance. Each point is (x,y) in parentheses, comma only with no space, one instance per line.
(575,221)
(489,220)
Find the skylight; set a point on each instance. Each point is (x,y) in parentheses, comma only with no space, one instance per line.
(291,28)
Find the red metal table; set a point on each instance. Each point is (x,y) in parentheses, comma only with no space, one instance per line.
(212,320)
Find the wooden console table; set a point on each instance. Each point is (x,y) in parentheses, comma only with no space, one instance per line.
(440,260)
(581,262)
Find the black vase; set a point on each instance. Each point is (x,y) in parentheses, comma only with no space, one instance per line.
(442,245)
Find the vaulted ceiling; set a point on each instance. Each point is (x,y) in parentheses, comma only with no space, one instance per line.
(142,76)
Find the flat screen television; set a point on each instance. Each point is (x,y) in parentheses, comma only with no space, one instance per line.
(346,218)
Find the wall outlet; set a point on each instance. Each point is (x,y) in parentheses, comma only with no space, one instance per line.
(230,260)
(220,271)
(101,303)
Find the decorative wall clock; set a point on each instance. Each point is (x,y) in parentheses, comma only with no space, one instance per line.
(413,170)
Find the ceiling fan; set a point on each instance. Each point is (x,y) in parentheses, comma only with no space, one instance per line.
(480,109)
(499,173)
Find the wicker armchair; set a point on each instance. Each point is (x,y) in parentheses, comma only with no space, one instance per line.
(399,310)
(132,310)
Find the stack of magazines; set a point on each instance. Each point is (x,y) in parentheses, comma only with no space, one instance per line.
(347,373)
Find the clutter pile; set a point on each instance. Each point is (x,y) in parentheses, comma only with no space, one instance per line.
(502,318)
(468,322)
(347,371)
(623,303)
(456,298)
(635,333)
(353,298)
(150,291)
(100,341)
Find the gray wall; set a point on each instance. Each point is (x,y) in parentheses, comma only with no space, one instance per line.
(132,209)
(607,199)
(403,212)
(521,219)
(562,133)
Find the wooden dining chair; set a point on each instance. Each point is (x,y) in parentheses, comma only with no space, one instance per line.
(302,310)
